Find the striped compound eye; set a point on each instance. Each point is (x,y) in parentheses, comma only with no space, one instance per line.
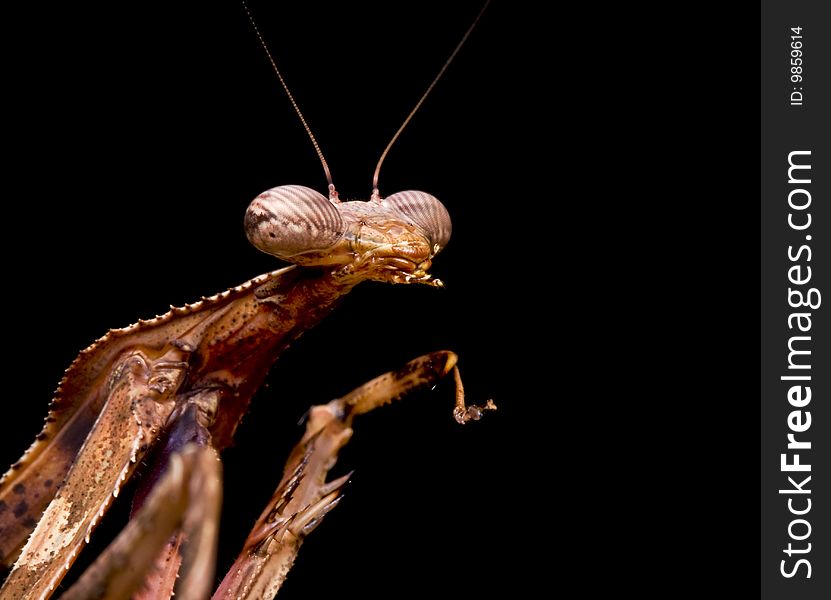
(424,211)
(292,219)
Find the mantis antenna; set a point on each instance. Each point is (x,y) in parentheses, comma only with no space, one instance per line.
(375,194)
(333,195)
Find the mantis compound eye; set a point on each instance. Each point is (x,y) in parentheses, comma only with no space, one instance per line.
(426,212)
(292,219)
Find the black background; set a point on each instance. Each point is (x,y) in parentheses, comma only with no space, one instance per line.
(135,137)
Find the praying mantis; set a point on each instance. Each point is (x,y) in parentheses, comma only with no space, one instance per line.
(180,349)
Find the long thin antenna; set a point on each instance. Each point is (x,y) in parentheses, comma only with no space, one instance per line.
(375,194)
(333,195)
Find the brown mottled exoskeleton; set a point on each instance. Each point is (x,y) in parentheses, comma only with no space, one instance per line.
(179,385)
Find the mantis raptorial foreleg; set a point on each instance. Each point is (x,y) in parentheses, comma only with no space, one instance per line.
(177,523)
(187,497)
(140,397)
(304,496)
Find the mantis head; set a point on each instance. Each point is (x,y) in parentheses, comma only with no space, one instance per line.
(389,239)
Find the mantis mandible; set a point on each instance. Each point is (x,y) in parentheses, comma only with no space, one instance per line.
(174,388)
